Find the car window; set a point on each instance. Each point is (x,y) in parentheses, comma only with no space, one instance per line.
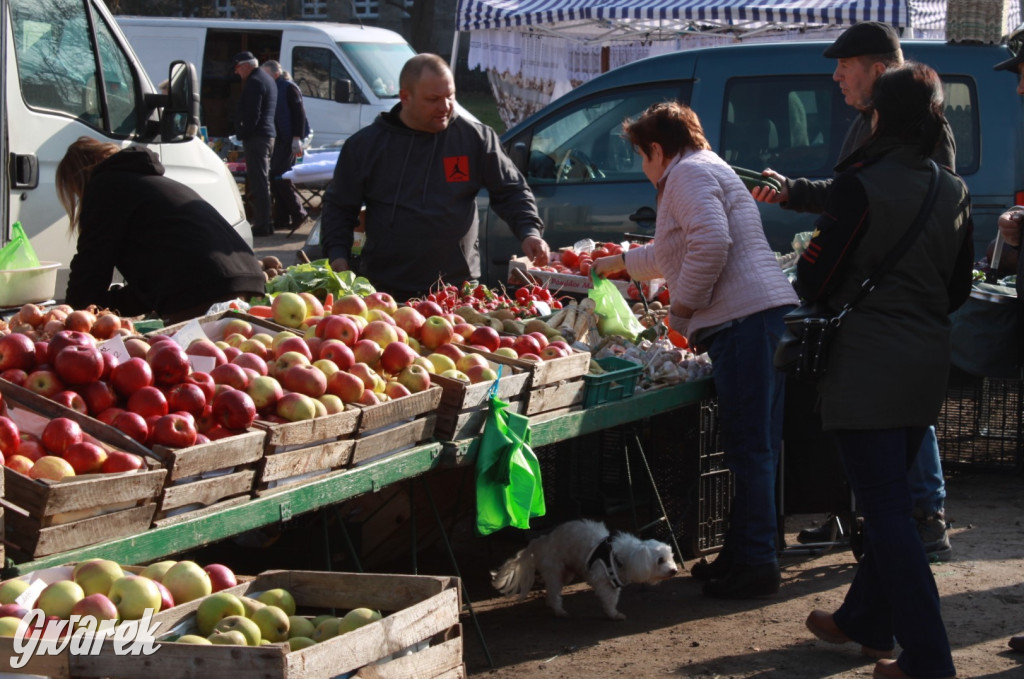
(584,142)
(317,71)
(793,124)
(379,64)
(57,64)
(961,105)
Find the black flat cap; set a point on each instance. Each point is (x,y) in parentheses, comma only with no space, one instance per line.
(867,37)
(242,57)
(1010,64)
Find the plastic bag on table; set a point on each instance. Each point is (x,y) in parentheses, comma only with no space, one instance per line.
(18,254)
(509,491)
(613,309)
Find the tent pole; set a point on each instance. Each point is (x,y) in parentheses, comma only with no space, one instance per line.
(455,52)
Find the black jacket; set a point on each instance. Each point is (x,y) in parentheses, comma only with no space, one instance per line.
(420,195)
(256,107)
(173,248)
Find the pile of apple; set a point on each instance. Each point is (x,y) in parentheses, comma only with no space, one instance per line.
(269,618)
(102,589)
(39,323)
(62,450)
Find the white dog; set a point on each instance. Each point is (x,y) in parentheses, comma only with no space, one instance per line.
(586,550)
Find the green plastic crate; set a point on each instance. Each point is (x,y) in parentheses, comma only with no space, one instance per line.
(618,382)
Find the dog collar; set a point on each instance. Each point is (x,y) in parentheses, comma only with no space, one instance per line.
(602,554)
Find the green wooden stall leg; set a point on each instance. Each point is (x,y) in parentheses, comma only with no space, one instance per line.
(455,567)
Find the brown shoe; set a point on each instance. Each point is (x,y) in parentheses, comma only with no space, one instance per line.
(823,626)
(888,669)
(1017,643)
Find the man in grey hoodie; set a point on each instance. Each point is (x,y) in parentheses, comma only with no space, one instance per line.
(418,169)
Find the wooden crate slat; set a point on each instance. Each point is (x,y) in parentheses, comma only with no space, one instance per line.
(185,661)
(553,396)
(55,666)
(311,431)
(34,540)
(461,396)
(322,457)
(386,592)
(213,456)
(467,424)
(389,412)
(393,438)
(95,491)
(162,519)
(212,322)
(207,491)
(430,662)
(545,372)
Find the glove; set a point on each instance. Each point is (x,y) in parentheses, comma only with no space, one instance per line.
(297,146)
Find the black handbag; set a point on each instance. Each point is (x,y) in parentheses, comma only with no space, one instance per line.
(802,350)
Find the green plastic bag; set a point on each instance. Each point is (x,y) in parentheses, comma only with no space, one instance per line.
(509,491)
(616,318)
(18,254)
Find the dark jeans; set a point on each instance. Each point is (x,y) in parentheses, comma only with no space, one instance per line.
(750,404)
(893,593)
(257,181)
(288,206)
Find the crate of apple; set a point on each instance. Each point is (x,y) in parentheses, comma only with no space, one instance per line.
(40,323)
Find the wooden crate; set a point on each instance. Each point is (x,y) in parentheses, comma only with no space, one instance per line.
(298,451)
(555,386)
(395,425)
(463,409)
(419,611)
(213,325)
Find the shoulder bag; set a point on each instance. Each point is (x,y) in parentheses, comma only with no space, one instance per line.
(810,328)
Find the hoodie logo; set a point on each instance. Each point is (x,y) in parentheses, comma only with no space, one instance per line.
(456,168)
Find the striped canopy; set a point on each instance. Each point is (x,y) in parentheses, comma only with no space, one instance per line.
(609,16)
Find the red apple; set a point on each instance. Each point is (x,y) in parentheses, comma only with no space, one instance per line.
(305,379)
(415,378)
(169,363)
(506,341)
(230,374)
(17,352)
(130,376)
(206,347)
(59,433)
(107,416)
(382,301)
(428,308)
(205,382)
(551,352)
(221,577)
(78,364)
(394,389)
(44,382)
(110,361)
(71,399)
(85,457)
(396,357)
(133,425)
(338,327)
(120,461)
(451,351)
(285,361)
(314,344)
(166,598)
(436,331)
(526,344)
(346,386)
(148,401)
(174,431)
(233,409)
(14,376)
(541,338)
(367,351)
(369,398)
(251,361)
(265,392)
(410,320)
(462,331)
(205,421)
(338,352)
(381,332)
(10,437)
(364,373)
(186,396)
(349,304)
(485,336)
(296,344)
(66,338)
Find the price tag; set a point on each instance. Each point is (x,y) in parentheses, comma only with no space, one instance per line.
(115,345)
(28,597)
(189,333)
(202,364)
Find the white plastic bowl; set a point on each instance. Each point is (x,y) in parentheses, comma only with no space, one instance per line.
(24,286)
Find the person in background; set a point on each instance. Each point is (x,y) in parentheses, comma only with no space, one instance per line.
(418,169)
(728,298)
(177,255)
(863,52)
(291,128)
(254,127)
(898,335)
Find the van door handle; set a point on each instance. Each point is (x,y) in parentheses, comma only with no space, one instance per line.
(24,171)
(644,214)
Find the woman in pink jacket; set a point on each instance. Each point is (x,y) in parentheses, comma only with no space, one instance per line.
(728,298)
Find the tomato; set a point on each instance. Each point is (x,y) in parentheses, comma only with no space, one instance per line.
(568,257)
(585,267)
(613,249)
(600,252)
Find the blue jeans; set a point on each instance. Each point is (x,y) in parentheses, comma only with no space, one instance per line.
(893,593)
(750,406)
(927,487)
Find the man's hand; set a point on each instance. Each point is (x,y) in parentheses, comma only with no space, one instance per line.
(340,264)
(603,266)
(536,250)
(766,194)
(296,146)
(1010,224)
(681,310)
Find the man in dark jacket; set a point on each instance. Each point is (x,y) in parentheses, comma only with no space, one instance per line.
(254,127)
(418,169)
(290,124)
(863,52)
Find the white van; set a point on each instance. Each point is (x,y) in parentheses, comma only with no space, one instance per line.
(71,73)
(347,74)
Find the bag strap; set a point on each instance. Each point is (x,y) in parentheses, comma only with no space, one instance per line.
(902,247)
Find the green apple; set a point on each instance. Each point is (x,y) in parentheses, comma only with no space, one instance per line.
(187,581)
(133,595)
(240,623)
(59,598)
(288,309)
(156,571)
(299,643)
(321,618)
(280,598)
(327,629)
(251,605)
(507,352)
(193,639)
(215,608)
(9,626)
(229,638)
(273,623)
(97,575)
(299,626)
(441,363)
(356,618)
(11,590)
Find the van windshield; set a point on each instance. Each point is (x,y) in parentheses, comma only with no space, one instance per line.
(379,64)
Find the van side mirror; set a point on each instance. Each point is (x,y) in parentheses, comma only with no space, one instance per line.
(180,118)
(343,91)
(519,156)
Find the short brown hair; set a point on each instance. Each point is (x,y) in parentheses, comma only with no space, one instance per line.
(413,69)
(75,170)
(672,125)
(887,59)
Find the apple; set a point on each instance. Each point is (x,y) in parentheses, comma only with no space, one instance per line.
(215,608)
(287,360)
(232,375)
(381,315)
(10,437)
(338,352)
(174,431)
(429,308)
(332,404)
(72,400)
(17,352)
(541,338)
(97,605)
(237,326)
(187,581)
(221,577)
(98,396)
(415,378)
(249,630)
(85,457)
(273,623)
(278,597)
(19,463)
(326,366)
(396,357)
(44,382)
(265,392)
(424,363)
(107,415)
(251,361)
(470,360)
(356,618)
(58,598)
(288,309)
(394,389)
(134,595)
(110,361)
(130,376)
(59,433)
(481,373)
(485,336)
(382,301)
(253,347)
(166,598)
(137,347)
(305,379)
(10,625)
(293,344)
(294,407)
(119,461)
(155,571)
(367,351)
(13,610)
(328,629)
(62,339)
(380,332)
(451,351)
(350,304)
(551,352)
(188,397)
(533,358)
(132,424)
(346,386)
(410,320)
(526,344)
(314,307)
(507,352)
(365,373)
(233,409)
(462,332)
(96,575)
(148,402)
(456,375)
(343,328)
(12,589)
(441,362)
(205,382)
(15,376)
(205,347)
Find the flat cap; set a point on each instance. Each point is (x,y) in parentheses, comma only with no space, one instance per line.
(867,37)
(243,57)
(1010,64)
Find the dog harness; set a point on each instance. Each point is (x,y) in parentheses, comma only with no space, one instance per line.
(602,554)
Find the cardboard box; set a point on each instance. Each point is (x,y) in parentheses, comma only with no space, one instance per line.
(520,273)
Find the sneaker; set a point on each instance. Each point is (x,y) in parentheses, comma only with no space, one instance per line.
(934,533)
(833,529)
